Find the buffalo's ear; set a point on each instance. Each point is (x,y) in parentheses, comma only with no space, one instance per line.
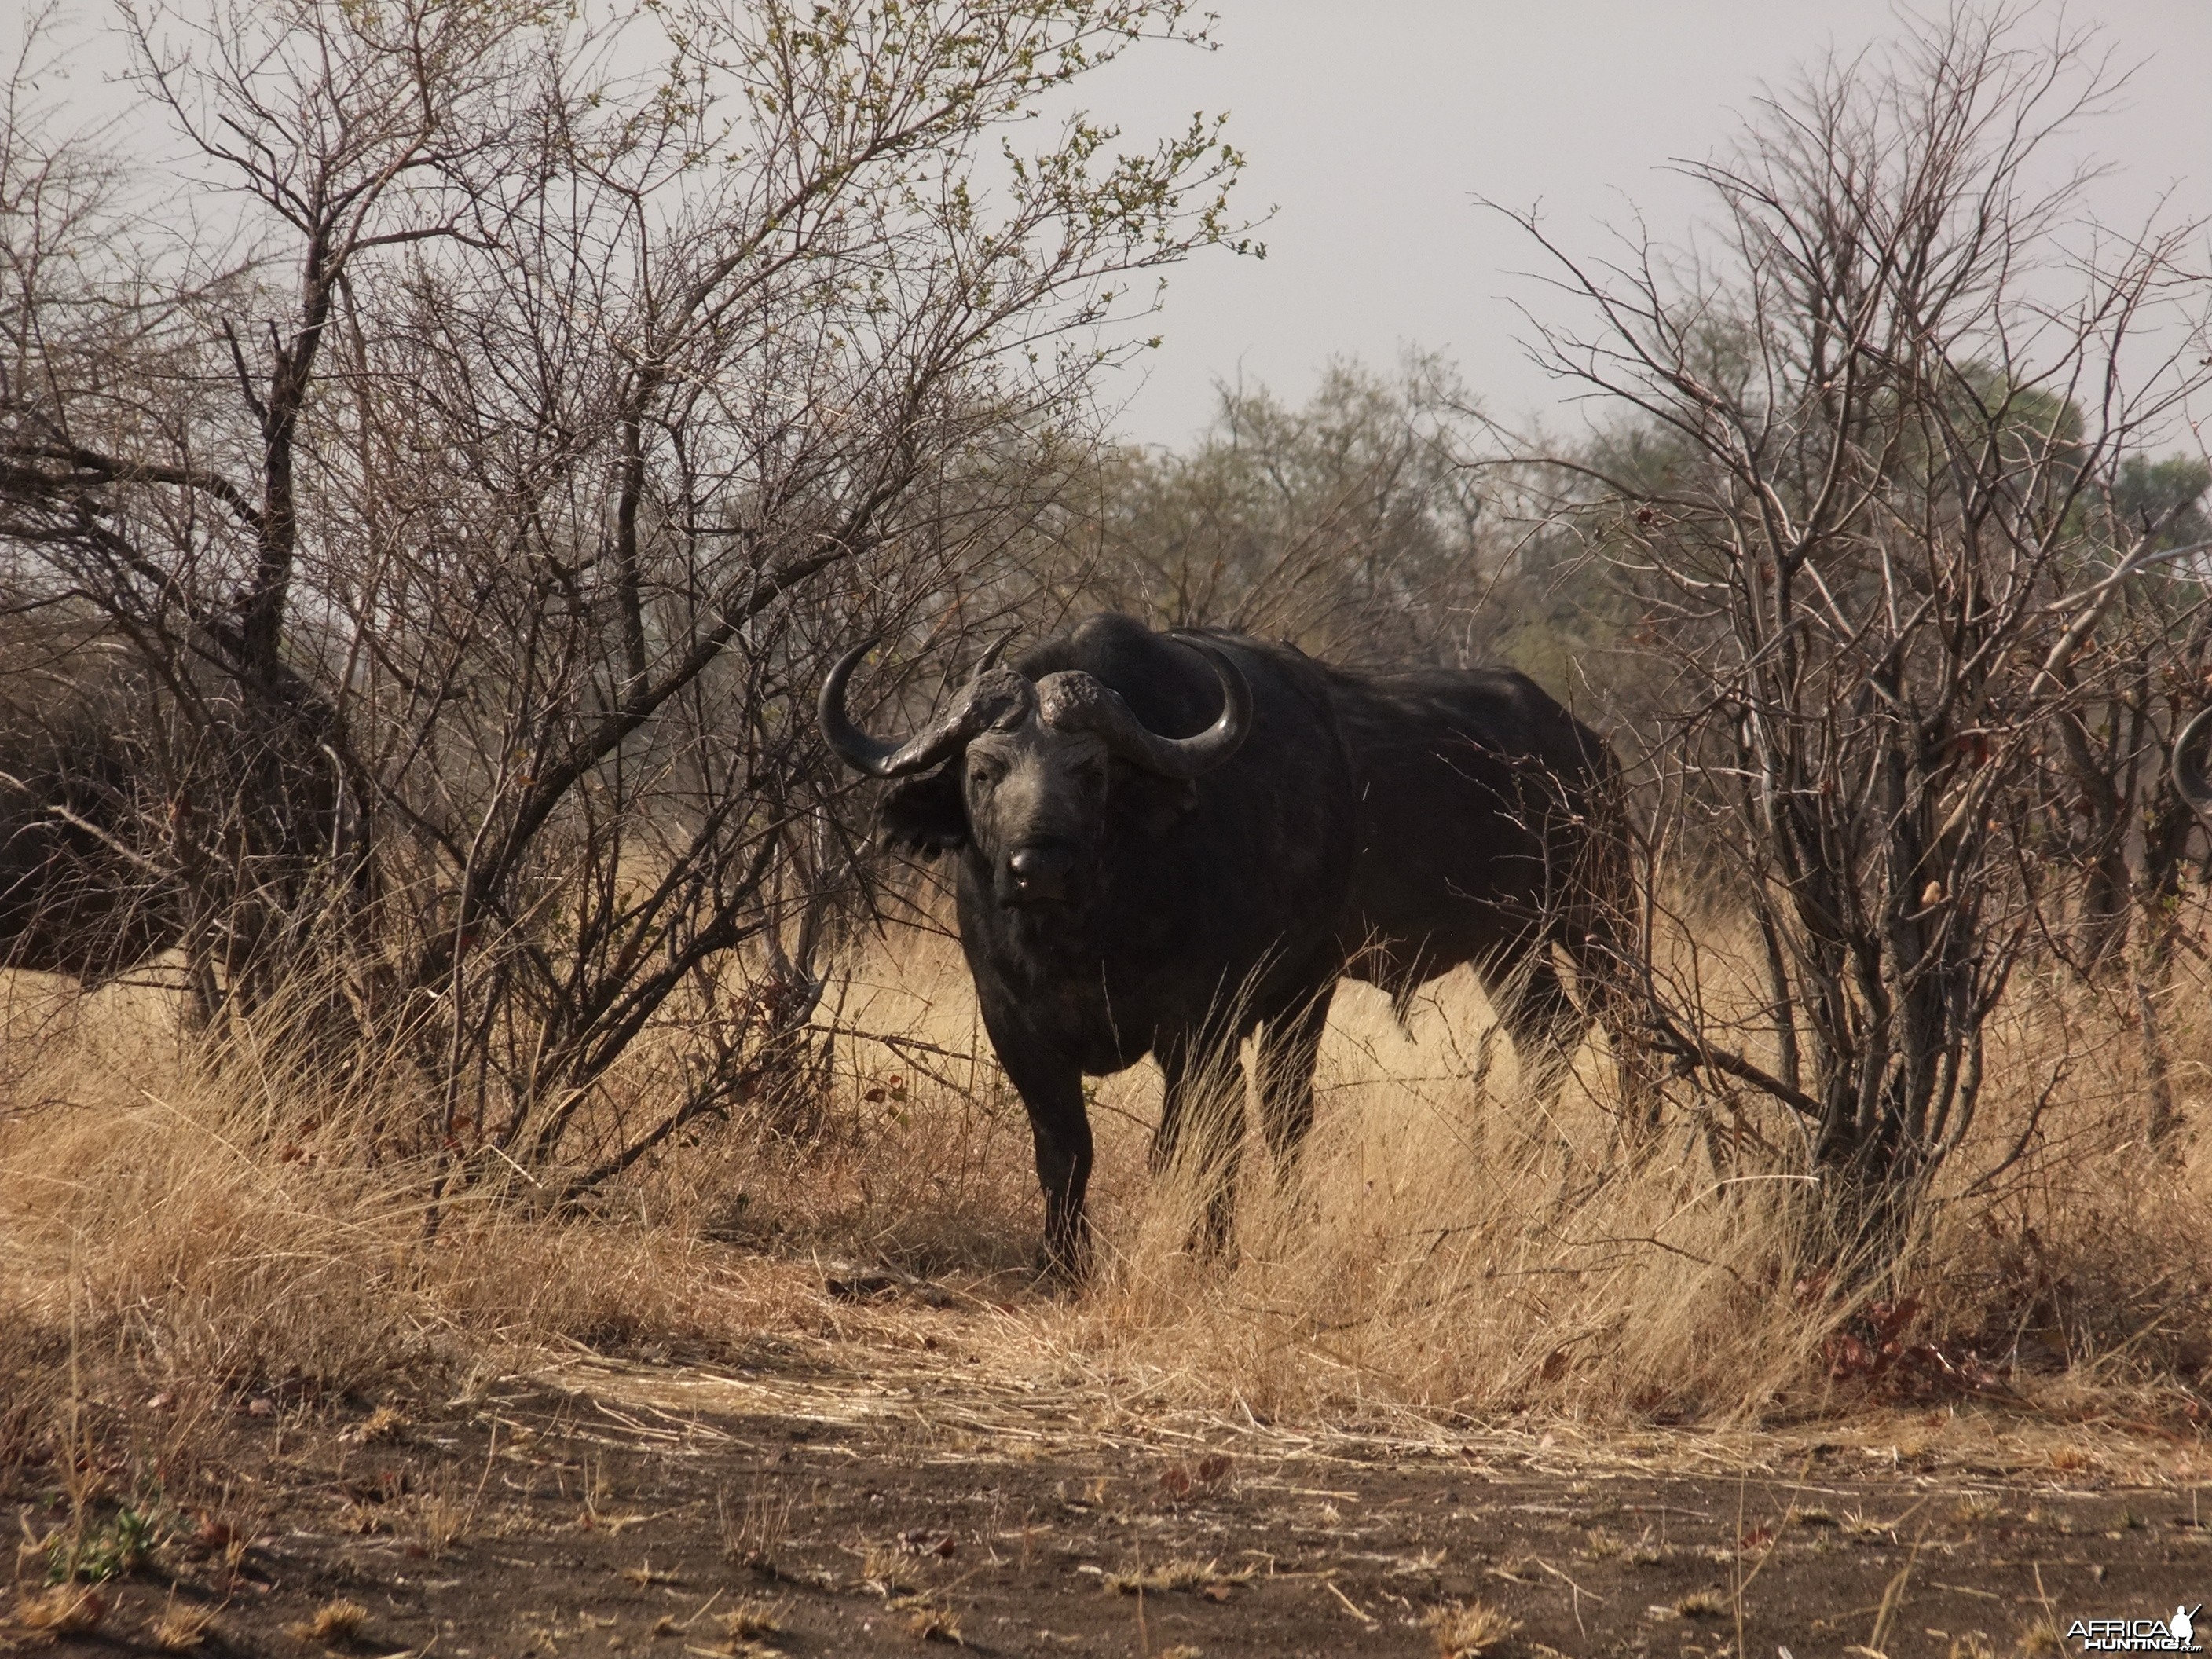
(926,815)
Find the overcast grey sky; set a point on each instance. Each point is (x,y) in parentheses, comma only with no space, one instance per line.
(1371,124)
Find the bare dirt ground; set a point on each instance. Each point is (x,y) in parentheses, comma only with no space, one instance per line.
(882,1489)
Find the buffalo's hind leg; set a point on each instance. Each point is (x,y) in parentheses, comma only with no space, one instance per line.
(1609,972)
(1606,936)
(1051,1089)
(1545,1026)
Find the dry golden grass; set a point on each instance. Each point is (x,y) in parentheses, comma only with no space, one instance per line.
(181,1630)
(1165,1577)
(385,1423)
(440,1521)
(753,1617)
(337,1620)
(64,1610)
(158,1208)
(885,1571)
(1448,1246)
(751,1536)
(929,1619)
(1468,1629)
(1458,1249)
(1478,1253)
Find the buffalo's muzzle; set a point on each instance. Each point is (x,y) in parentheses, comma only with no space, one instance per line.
(1037,875)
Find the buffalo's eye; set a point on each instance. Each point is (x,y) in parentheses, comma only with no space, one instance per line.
(1092,774)
(985,772)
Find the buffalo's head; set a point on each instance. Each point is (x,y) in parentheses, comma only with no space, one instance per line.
(1032,765)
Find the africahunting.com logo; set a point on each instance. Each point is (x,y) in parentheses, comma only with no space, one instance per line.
(2175,1635)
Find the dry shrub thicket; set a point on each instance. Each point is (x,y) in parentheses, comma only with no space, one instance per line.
(527,1002)
(1887,502)
(482,516)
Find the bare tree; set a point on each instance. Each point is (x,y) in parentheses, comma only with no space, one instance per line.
(1351,525)
(1886,404)
(565,419)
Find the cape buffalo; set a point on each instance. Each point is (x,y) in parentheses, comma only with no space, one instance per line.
(2189,780)
(1122,892)
(101,843)
(80,894)
(1155,841)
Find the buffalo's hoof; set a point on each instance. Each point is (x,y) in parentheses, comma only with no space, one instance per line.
(1212,1253)
(1212,1241)
(1057,1273)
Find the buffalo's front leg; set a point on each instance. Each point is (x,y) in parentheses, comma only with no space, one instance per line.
(1051,1089)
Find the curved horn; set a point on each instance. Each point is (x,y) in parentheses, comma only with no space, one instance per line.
(990,694)
(2190,781)
(1073,699)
